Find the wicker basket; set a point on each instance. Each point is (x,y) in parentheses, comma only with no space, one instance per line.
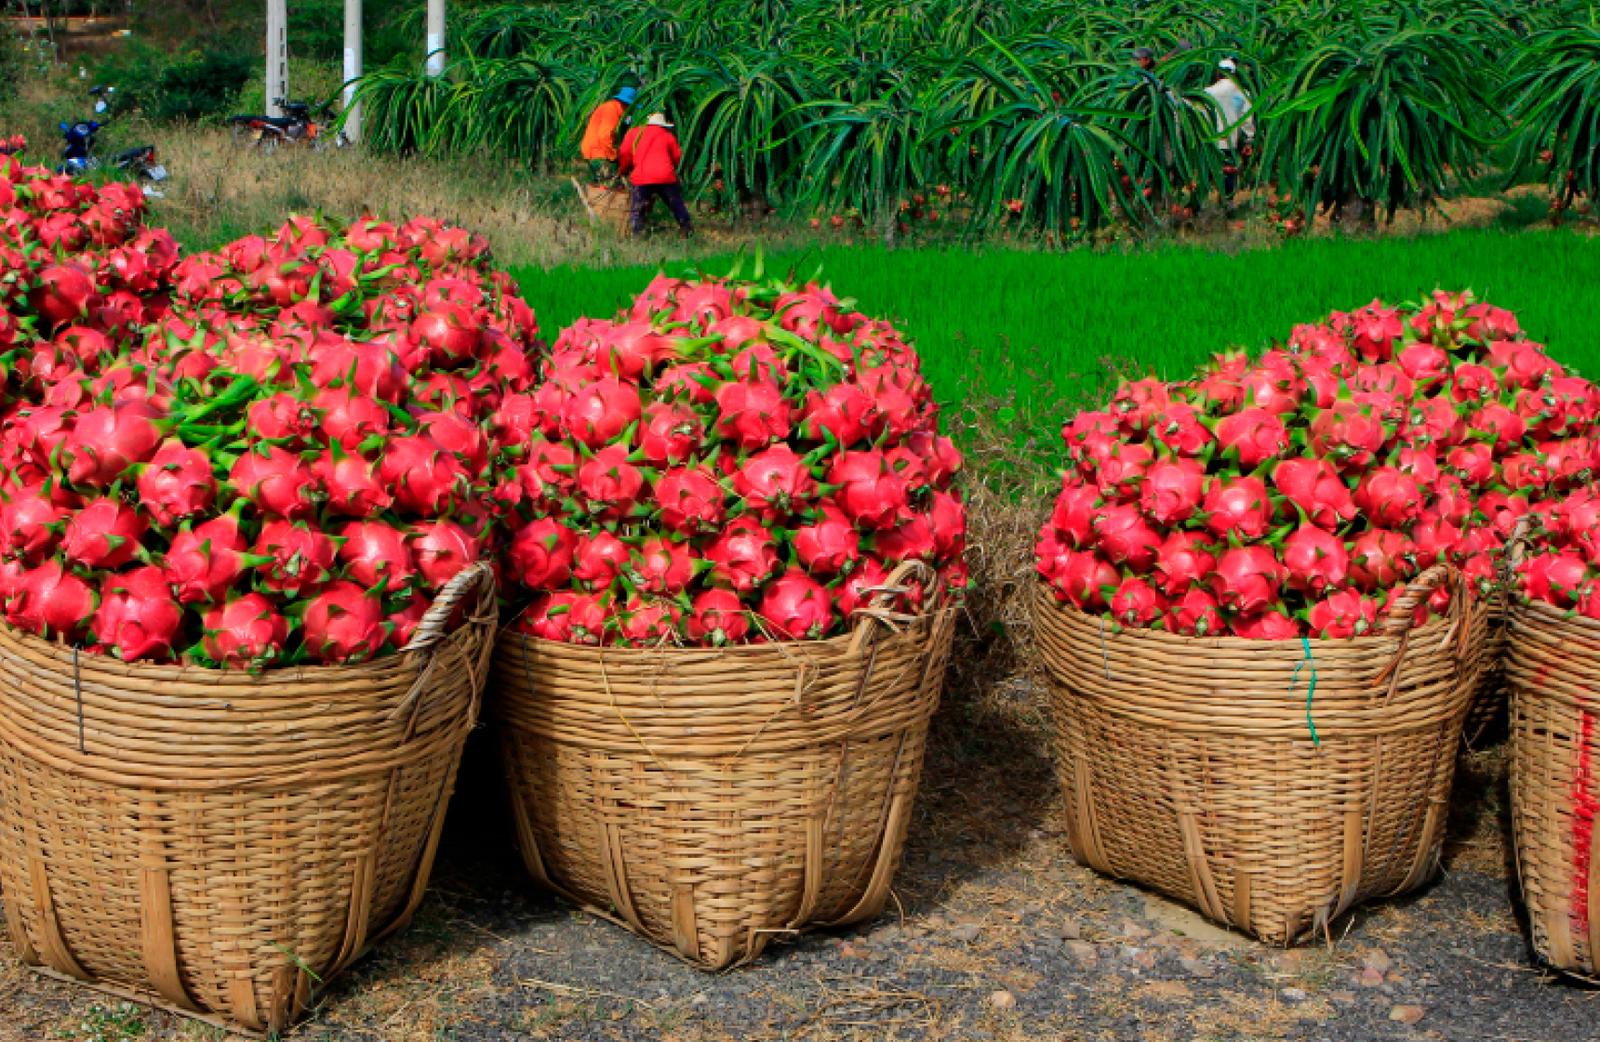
(221,844)
(607,205)
(1553,671)
(1190,765)
(1487,710)
(710,800)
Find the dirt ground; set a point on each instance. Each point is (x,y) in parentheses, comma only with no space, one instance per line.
(995,934)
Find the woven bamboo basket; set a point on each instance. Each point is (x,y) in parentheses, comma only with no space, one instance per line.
(1553,671)
(1213,771)
(712,799)
(1488,707)
(221,844)
(607,205)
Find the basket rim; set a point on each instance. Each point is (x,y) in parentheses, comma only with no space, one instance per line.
(88,659)
(1047,599)
(1520,603)
(686,653)
(402,661)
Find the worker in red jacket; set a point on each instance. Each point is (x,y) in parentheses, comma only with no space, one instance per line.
(649,159)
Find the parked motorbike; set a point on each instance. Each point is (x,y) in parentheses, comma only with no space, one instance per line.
(302,124)
(79,155)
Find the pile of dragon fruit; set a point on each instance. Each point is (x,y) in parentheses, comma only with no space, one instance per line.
(726,462)
(1560,559)
(1296,494)
(269,454)
(279,451)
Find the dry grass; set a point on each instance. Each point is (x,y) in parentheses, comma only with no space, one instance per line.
(221,189)
(1011,481)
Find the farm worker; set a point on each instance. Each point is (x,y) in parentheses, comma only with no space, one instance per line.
(1145,58)
(600,138)
(649,159)
(1236,127)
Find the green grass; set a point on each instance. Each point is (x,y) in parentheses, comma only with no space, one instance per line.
(1004,317)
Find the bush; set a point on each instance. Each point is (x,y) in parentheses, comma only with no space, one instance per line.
(309,80)
(11,64)
(199,84)
(189,85)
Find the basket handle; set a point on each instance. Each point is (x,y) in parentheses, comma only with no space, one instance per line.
(1397,620)
(878,612)
(476,577)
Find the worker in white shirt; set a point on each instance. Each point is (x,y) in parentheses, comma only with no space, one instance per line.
(1236,127)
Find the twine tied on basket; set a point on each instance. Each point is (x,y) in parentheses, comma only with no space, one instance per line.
(1105,656)
(77,690)
(1311,689)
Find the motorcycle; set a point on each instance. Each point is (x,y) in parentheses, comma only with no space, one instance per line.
(302,123)
(78,155)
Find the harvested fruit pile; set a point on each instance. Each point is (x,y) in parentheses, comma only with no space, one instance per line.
(279,451)
(269,454)
(1560,563)
(1296,494)
(725,462)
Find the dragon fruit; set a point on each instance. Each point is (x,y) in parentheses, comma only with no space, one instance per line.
(344,623)
(207,455)
(138,617)
(104,534)
(245,633)
(797,607)
(698,471)
(51,601)
(375,553)
(1331,472)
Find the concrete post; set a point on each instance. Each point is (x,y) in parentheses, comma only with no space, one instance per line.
(352,68)
(436,41)
(277,55)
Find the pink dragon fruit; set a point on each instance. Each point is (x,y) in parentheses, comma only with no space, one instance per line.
(797,608)
(717,617)
(1136,603)
(344,623)
(829,544)
(245,633)
(138,617)
(1240,507)
(1248,579)
(743,556)
(104,534)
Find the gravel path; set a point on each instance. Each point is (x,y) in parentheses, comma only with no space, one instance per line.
(996,935)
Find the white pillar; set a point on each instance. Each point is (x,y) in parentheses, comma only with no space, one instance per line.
(436,37)
(277,55)
(352,67)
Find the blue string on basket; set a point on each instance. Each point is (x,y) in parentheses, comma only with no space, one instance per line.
(1311,691)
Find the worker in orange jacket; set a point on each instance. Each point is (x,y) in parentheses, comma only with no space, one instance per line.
(649,159)
(600,137)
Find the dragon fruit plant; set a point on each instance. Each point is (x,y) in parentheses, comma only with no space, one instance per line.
(726,462)
(270,454)
(1297,493)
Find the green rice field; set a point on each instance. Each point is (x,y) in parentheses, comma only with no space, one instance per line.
(1008,319)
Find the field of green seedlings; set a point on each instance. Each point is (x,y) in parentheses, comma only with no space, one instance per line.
(1001,319)
(1030,116)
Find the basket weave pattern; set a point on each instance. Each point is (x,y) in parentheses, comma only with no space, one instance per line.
(1554,672)
(710,800)
(1188,764)
(1489,700)
(221,844)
